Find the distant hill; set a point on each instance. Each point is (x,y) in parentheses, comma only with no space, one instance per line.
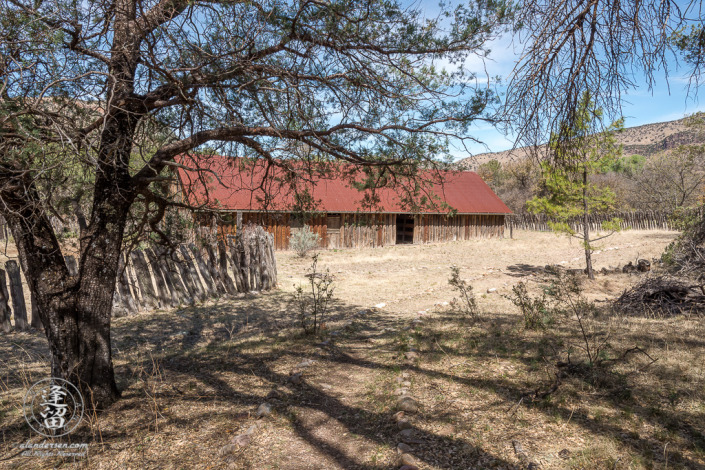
(646,140)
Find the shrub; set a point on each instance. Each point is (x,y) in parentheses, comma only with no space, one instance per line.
(574,338)
(312,304)
(304,240)
(567,294)
(466,303)
(563,301)
(535,310)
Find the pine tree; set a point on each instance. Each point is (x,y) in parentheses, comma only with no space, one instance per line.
(568,191)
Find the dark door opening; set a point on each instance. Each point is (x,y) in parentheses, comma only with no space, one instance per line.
(405,229)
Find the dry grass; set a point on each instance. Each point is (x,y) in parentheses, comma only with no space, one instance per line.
(193,378)
(411,278)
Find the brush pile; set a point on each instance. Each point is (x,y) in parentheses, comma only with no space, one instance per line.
(662,295)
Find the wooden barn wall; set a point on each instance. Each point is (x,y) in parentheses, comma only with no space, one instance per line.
(431,228)
(373,230)
(317,225)
(367,230)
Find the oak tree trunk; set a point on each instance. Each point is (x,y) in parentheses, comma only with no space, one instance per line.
(75,310)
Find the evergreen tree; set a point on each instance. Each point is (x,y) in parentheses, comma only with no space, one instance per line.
(567,189)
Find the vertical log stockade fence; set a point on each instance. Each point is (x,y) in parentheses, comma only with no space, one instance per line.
(156,278)
(628,220)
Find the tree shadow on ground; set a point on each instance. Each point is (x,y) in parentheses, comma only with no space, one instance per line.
(377,326)
(376,427)
(229,355)
(204,345)
(613,387)
(523,270)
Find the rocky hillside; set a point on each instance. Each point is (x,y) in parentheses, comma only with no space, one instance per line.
(646,140)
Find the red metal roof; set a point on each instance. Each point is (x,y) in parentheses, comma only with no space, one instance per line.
(226,186)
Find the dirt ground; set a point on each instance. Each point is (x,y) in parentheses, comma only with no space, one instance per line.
(410,278)
(484,391)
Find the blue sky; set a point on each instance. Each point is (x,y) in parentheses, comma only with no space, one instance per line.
(666,101)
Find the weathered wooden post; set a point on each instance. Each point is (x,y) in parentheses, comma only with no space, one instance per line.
(511,227)
(267,263)
(210,287)
(180,291)
(262,249)
(144,279)
(254,261)
(272,263)
(5,311)
(18,303)
(235,260)
(164,285)
(223,266)
(243,256)
(212,265)
(191,275)
(132,284)
(129,301)
(181,273)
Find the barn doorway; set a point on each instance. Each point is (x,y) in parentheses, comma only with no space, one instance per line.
(405,229)
(334,223)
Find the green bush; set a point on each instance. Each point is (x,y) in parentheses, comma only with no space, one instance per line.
(686,256)
(535,310)
(563,302)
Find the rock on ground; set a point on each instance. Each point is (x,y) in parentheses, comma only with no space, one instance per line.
(408,405)
(243,440)
(265,409)
(403,448)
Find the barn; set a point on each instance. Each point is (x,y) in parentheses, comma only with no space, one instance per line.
(232,194)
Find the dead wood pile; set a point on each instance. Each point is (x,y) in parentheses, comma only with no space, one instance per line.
(664,295)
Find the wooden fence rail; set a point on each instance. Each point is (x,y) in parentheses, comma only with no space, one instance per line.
(644,220)
(157,278)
